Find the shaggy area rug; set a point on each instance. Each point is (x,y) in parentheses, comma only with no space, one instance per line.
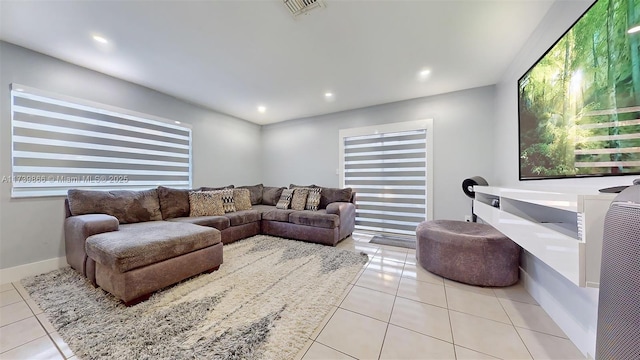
(263,303)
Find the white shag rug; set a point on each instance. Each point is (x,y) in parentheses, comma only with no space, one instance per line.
(264,302)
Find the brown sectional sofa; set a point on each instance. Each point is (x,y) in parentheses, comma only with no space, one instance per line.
(132,243)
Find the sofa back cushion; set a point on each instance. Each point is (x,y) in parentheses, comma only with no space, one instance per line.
(256,193)
(271,195)
(173,202)
(329,195)
(125,205)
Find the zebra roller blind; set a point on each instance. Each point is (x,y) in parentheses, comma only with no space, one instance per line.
(388,172)
(62,143)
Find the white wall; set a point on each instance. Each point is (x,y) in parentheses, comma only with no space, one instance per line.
(225,149)
(305,151)
(573,308)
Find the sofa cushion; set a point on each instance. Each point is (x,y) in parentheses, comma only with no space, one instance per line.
(218,222)
(242,199)
(256,193)
(329,195)
(137,245)
(173,202)
(285,199)
(277,215)
(263,208)
(313,199)
(315,218)
(271,195)
(205,203)
(243,217)
(126,205)
(299,199)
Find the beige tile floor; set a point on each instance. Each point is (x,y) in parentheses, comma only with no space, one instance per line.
(392,309)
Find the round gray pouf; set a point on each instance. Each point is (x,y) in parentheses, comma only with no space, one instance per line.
(467,252)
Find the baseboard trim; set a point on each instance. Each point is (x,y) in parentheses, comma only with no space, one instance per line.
(583,338)
(16,273)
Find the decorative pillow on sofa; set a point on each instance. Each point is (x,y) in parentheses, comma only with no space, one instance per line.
(271,195)
(285,199)
(173,202)
(205,188)
(205,203)
(126,205)
(256,193)
(313,199)
(299,198)
(293,186)
(242,199)
(227,200)
(329,195)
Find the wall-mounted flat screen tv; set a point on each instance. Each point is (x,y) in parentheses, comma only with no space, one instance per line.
(579,104)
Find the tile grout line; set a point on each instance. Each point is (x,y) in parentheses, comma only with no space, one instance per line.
(40,322)
(474,350)
(28,342)
(395,297)
(514,328)
(453,339)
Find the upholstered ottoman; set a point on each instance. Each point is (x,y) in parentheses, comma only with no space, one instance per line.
(467,252)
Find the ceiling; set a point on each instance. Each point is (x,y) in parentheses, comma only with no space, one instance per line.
(233,56)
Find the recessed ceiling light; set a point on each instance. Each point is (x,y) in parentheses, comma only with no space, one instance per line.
(634,29)
(100,39)
(177,122)
(425,72)
(328,94)
(262,109)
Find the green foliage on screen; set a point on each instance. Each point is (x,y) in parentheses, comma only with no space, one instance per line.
(579,105)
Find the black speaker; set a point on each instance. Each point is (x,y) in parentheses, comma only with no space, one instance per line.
(618,334)
(468,184)
(467,188)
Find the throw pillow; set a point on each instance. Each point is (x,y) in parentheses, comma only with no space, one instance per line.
(256,193)
(313,199)
(227,200)
(127,206)
(293,186)
(205,188)
(271,195)
(299,198)
(285,199)
(173,202)
(242,199)
(205,203)
(329,195)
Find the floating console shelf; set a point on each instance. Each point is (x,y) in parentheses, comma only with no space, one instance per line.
(561,228)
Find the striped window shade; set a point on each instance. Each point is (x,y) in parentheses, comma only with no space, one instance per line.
(60,143)
(388,172)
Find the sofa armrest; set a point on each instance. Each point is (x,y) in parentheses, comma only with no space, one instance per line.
(347,213)
(76,231)
(340,208)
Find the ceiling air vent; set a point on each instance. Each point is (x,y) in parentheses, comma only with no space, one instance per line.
(302,7)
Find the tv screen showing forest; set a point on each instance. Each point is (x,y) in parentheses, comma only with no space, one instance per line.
(579,105)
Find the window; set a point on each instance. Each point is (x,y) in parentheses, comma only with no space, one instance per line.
(389,167)
(59,143)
